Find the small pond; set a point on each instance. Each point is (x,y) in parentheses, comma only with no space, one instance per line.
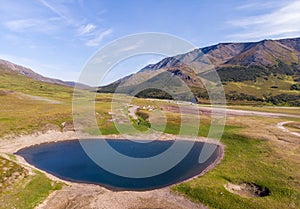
(67,160)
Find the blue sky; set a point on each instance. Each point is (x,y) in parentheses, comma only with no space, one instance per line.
(56,38)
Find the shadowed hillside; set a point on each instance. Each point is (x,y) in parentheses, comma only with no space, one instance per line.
(267,71)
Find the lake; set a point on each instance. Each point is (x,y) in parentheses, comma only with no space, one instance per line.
(67,160)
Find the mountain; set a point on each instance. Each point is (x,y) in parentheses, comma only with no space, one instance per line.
(267,71)
(9,67)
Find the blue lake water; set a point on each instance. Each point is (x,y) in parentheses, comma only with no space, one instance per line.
(67,160)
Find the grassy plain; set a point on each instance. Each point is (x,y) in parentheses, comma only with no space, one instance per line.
(249,160)
(28,106)
(255,150)
(28,192)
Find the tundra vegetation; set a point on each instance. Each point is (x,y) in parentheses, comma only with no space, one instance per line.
(259,157)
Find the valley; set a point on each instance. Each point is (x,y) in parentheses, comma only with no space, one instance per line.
(251,141)
(259,167)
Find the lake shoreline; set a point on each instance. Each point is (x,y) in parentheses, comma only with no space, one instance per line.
(13,145)
(70,147)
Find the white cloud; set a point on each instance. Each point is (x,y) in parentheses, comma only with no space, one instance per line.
(137,45)
(53,19)
(86,29)
(87,32)
(258,5)
(17,25)
(53,9)
(25,24)
(98,38)
(62,11)
(281,22)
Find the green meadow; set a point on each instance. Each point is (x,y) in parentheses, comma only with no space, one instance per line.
(28,106)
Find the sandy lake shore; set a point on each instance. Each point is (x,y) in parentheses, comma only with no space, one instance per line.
(80,195)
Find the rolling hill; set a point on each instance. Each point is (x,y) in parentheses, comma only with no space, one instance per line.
(267,71)
(7,67)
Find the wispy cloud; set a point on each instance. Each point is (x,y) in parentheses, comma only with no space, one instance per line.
(279,23)
(258,5)
(98,38)
(20,25)
(86,29)
(53,9)
(89,32)
(17,25)
(61,20)
(138,44)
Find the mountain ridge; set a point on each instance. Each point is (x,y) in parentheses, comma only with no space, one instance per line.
(249,63)
(7,66)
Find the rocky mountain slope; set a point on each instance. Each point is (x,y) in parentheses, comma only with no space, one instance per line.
(264,71)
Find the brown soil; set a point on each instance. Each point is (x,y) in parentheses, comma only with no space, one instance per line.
(247,189)
(92,196)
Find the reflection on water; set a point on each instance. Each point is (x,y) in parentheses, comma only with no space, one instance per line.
(67,160)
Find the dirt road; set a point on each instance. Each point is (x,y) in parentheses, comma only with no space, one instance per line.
(194,109)
(281,126)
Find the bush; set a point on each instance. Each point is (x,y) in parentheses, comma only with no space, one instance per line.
(284,99)
(295,87)
(240,73)
(154,93)
(282,68)
(233,96)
